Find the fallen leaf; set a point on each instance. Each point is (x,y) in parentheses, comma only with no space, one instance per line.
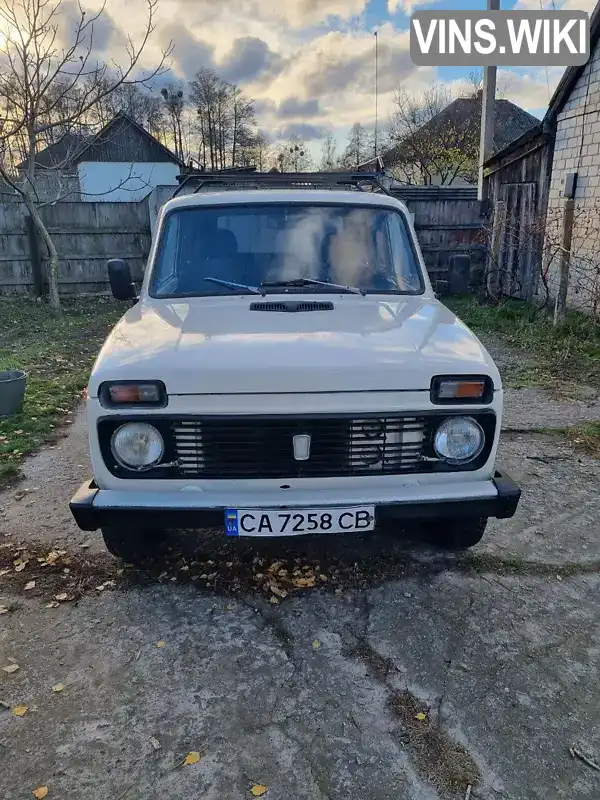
(52,604)
(191,758)
(274,601)
(316,644)
(59,687)
(278,591)
(4,572)
(40,792)
(304,583)
(421,716)
(11,668)
(61,596)
(19,711)
(160,644)
(30,585)
(155,743)
(5,705)
(3,610)
(258,790)
(20,567)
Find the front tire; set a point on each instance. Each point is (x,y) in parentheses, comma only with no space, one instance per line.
(133,546)
(457,534)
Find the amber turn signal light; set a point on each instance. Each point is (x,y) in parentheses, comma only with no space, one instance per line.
(133,393)
(461,390)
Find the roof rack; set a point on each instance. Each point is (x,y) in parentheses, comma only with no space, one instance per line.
(223,181)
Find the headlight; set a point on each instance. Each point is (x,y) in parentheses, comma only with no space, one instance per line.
(137,445)
(458,440)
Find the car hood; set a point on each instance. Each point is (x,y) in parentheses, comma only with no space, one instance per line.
(218,345)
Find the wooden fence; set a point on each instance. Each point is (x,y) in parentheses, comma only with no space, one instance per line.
(518,182)
(86,235)
(447,220)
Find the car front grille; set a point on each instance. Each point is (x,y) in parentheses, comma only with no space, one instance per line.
(264,448)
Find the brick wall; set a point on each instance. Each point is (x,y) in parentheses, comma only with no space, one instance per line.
(577,149)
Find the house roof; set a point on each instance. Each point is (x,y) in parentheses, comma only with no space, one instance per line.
(72,149)
(511,122)
(58,153)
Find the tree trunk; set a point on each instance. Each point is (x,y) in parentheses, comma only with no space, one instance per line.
(52,253)
(27,197)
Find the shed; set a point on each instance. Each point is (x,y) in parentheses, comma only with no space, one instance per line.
(122,162)
(526,186)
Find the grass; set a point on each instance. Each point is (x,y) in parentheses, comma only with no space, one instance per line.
(57,354)
(565,353)
(586,437)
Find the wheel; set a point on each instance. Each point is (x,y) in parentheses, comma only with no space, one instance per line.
(133,546)
(459,533)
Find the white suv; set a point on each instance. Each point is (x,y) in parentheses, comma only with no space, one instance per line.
(287,369)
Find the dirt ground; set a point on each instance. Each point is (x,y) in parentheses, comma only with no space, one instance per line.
(402,673)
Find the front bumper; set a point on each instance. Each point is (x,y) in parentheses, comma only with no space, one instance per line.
(95,508)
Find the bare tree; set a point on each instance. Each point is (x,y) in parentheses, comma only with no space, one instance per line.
(525,258)
(328,153)
(226,121)
(358,149)
(260,154)
(174,103)
(432,145)
(293,156)
(52,80)
(142,106)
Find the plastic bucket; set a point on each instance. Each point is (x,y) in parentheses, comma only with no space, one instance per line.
(12,391)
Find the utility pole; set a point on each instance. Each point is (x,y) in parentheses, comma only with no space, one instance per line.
(376,92)
(488,112)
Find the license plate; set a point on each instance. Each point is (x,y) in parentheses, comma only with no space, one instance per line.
(288,522)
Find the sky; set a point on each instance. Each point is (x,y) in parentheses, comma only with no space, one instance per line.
(310,63)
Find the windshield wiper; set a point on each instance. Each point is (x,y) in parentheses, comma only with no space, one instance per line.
(313,282)
(232,285)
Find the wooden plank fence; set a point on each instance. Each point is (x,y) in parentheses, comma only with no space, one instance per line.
(86,235)
(447,220)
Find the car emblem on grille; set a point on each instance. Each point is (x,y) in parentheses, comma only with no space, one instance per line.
(302,447)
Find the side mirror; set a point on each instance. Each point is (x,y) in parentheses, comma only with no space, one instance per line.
(121,283)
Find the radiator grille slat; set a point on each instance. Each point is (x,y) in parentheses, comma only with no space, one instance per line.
(263,448)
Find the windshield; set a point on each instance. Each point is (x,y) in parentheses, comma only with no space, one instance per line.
(272,246)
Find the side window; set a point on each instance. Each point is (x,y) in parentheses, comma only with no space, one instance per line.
(408,276)
(169,252)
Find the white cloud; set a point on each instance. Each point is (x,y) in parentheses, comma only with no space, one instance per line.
(299,72)
(298,13)
(407,6)
(531,90)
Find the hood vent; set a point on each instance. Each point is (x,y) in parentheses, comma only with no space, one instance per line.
(293,306)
